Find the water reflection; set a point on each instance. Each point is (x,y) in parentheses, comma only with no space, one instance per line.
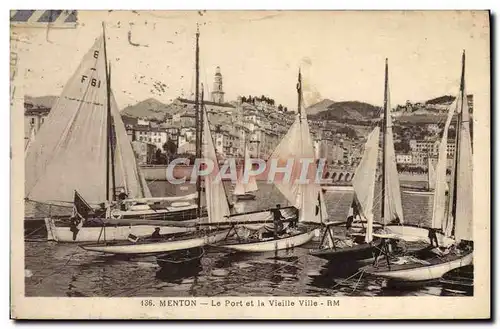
(67,270)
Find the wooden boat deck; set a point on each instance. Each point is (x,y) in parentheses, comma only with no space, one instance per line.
(424,259)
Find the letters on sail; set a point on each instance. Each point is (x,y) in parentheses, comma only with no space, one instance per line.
(69,152)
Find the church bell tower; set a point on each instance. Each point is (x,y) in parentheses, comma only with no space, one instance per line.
(218,93)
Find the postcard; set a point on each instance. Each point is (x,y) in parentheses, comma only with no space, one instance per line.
(250,164)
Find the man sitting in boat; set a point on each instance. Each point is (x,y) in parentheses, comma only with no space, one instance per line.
(295,219)
(156,234)
(122,196)
(277,217)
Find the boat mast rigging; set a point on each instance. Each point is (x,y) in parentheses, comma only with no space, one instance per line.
(197,119)
(384,128)
(110,157)
(452,205)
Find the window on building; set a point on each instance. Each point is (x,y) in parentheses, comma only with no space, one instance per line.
(32,121)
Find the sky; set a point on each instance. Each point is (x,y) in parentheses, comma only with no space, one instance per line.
(341,54)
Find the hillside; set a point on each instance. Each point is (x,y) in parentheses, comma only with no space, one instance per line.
(319,107)
(41,101)
(149,108)
(347,111)
(446,99)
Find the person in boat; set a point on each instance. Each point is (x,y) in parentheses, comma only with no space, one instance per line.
(277,217)
(433,237)
(395,221)
(295,219)
(122,196)
(156,234)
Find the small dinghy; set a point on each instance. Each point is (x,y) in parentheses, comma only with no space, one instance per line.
(287,240)
(185,257)
(152,246)
(459,280)
(419,267)
(348,249)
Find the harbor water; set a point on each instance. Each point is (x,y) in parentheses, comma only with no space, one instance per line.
(58,269)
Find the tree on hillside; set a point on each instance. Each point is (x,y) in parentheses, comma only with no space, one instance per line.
(158,157)
(170,148)
(402,147)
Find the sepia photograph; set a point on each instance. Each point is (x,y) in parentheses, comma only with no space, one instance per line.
(228,164)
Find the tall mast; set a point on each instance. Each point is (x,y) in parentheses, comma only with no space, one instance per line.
(384,128)
(429,170)
(109,146)
(197,116)
(201,143)
(112,137)
(299,98)
(452,207)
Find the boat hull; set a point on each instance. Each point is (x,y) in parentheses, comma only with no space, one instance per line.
(411,233)
(337,188)
(420,272)
(245,197)
(185,257)
(159,214)
(148,247)
(273,244)
(112,233)
(416,192)
(354,253)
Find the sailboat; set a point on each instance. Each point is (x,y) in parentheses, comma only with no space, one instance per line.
(431,179)
(243,190)
(83,147)
(207,231)
(356,246)
(452,211)
(306,199)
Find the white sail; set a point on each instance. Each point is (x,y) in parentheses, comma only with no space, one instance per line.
(242,188)
(463,188)
(288,149)
(127,172)
(364,181)
(31,139)
(252,184)
(393,208)
(431,174)
(239,188)
(297,145)
(70,150)
(440,186)
(217,204)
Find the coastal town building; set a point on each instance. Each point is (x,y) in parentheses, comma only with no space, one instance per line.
(34,117)
(145,152)
(217,92)
(404,158)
